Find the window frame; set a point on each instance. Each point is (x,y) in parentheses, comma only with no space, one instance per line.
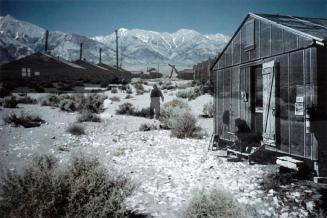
(249,38)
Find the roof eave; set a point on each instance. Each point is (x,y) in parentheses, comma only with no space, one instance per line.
(317,40)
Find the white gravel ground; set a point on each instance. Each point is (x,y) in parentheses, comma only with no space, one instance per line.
(166,169)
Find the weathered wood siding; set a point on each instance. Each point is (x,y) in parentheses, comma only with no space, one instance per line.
(296,69)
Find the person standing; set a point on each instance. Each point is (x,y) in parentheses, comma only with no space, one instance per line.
(155,95)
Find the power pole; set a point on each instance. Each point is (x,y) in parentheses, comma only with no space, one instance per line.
(100,56)
(117,49)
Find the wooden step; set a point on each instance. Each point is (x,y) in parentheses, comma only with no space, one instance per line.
(289,162)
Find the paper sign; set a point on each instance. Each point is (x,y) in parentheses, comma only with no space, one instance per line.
(299,109)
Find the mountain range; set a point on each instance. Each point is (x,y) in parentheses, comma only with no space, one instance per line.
(137,48)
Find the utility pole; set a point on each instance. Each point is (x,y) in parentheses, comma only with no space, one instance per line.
(117,49)
(100,56)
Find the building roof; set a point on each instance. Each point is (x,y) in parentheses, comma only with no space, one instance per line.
(315,28)
(312,28)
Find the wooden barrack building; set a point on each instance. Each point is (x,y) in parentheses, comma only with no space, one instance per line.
(273,75)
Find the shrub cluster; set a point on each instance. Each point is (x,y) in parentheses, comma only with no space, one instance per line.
(10,102)
(115,98)
(147,127)
(92,103)
(26,100)
(114,90)
(87,116)
(167,85)
(76,129)
(25,120)
(176,115)
(209,109)
(128,109)
(139,88)
(190,94)
(216,204)
(170,110)
(184,125)
(83,189)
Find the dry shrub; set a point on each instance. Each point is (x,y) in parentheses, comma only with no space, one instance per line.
(171,109)
(209,109)
(128,96)
(76,129)
(183,125)
(10,102)
(68,105)
(92,102)
(50,100)
(25,120)
(87,116)
(183,93)
(139,88)
(126,108)
(147,127)
(115,98)
(83,189)
(214,204)
(26,100)
(114,90)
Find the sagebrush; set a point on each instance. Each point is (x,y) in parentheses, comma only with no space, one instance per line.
(76,129)
(24,119)
(170,110)
(83,189)
(87,116)
(184,125)
(214,204)
(209,109)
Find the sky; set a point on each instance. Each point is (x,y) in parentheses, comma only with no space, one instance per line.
(102,17)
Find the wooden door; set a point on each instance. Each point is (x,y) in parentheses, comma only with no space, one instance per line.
(269,103)
(256,99)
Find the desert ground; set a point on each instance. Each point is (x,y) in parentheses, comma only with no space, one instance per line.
(166,170)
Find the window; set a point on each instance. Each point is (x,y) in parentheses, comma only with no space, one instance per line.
(249,35)
(37,73)
(24,72)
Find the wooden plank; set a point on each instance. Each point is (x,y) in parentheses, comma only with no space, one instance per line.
(289,162)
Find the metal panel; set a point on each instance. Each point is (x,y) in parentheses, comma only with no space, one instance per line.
(290,41)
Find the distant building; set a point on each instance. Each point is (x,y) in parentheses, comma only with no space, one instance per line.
(273,75)
(41,67)
(186,74)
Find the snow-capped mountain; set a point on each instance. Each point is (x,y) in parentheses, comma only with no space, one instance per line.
(136,47)
(182,47)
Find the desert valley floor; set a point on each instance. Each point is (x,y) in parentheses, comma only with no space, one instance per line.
(166,170)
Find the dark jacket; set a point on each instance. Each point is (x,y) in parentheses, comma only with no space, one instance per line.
(156,93)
